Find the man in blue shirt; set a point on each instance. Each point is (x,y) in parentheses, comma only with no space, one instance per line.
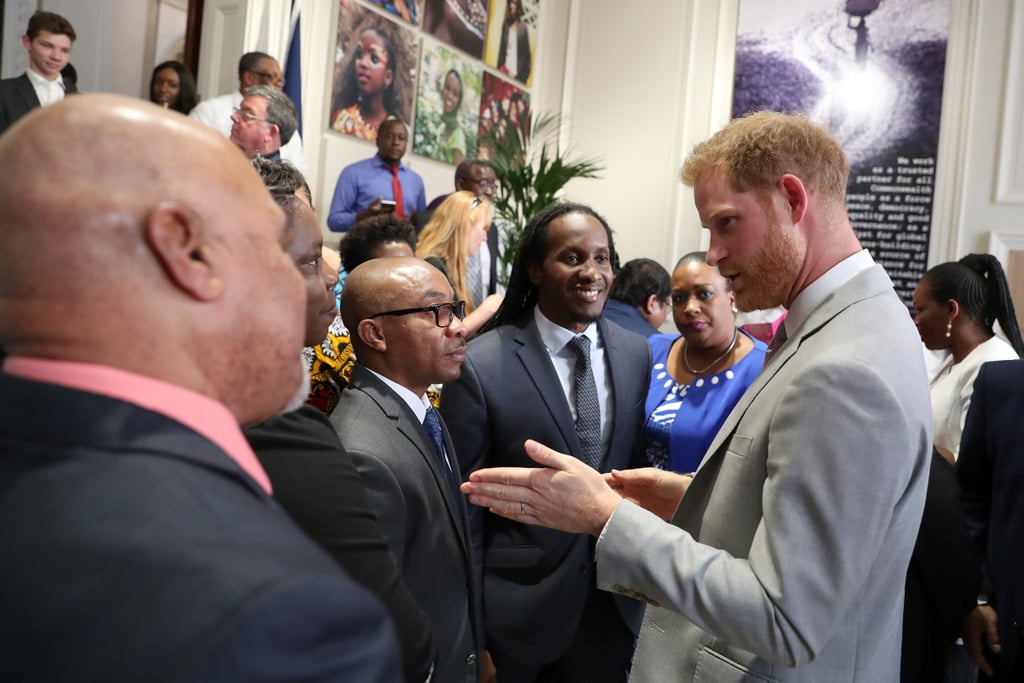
(378,184)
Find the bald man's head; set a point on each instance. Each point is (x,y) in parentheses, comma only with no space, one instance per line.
(411,343)
(136,238)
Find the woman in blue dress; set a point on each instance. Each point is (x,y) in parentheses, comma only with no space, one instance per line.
(698,375)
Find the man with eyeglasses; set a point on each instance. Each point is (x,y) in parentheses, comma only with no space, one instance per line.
(254,68)
(263,122)
(407,332)
(476,176)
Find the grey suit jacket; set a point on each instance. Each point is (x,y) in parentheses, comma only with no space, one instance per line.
(786,558)
(536,580)
(423,523)
(17,98)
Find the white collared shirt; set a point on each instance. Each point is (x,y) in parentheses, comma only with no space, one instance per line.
(48,92)
(815,293)
(556,339)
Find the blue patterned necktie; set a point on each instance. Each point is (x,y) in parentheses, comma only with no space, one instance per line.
(588,409)
(432,423)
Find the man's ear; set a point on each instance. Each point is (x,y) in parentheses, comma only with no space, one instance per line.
(796,196)
(372,335)
(175,235)
(652,301)
(534,272)
(273,132)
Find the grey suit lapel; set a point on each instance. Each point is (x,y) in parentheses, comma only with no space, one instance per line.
(409,427)
(535,359)
(871,282)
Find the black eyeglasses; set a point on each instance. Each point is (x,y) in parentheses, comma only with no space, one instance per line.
(269,77)
(444,314)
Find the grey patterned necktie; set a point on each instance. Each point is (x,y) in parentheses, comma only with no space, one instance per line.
(475,279)
(588,410)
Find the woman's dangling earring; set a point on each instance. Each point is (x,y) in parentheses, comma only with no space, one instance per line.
(949,328)
(735,311)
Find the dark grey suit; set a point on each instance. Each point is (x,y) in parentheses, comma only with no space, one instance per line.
(17,98)
(538,582)
(423,523)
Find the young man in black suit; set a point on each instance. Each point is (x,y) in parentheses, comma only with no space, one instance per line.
(48,41)
(544,617)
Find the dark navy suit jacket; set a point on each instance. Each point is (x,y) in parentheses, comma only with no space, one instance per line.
(536,581)
(628,317)
(17,98)
(991,472)
(136,550)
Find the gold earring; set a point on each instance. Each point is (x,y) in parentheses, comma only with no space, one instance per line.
(949,328)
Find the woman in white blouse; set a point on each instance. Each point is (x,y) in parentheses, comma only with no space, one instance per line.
(957,304)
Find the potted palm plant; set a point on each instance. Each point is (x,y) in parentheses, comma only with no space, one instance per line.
(531,171)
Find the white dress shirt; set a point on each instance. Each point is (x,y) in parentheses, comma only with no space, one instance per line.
(48,92)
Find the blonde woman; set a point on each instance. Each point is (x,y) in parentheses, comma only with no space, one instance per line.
(455,231)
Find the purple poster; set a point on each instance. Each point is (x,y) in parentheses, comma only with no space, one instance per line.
(871,71)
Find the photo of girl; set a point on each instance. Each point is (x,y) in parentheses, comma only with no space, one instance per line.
(510,35)
(446,111)
(373,72)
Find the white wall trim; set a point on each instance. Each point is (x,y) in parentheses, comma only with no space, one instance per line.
(957,98)
(1010,177)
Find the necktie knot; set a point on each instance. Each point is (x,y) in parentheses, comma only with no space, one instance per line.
(580,344)
(776,343)
(432,424)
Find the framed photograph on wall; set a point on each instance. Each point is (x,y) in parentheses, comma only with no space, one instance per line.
(409,10)
(461,24)
(503,105)
(374,71)
(448,105)
(511,38)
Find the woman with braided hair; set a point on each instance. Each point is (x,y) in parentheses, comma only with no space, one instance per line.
(957,305)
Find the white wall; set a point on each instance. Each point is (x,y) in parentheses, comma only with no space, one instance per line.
(109,52)
(640,83)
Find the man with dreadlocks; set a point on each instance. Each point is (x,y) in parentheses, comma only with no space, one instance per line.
(557,373)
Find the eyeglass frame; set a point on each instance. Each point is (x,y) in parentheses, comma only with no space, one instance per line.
(267,77)
(457,308)
(249,116)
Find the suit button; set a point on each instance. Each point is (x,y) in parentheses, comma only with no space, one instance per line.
(471,659)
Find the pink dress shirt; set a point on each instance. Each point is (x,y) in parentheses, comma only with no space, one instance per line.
(197,412)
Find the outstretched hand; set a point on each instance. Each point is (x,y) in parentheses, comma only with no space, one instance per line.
(655,490)
(564,494)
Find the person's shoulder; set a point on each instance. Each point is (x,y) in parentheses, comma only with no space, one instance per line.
(360,165)
(8,83)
